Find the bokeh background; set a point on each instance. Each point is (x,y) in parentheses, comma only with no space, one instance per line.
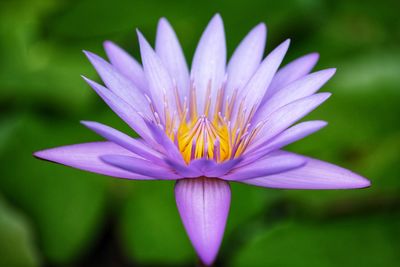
(52,215)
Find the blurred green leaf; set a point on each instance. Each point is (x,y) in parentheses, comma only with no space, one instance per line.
(17,248)
(33,69)
(151,228)
(249,201)
(7,128)
(369,241)
(66,205)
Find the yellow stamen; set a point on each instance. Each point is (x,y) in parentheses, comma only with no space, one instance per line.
(211,135)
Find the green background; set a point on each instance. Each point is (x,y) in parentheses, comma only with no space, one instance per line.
(51,215)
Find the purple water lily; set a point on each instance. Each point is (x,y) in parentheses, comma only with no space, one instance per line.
(216,124)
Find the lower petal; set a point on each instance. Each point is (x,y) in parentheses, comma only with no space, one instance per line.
(315,174)
(274,163)
(86,157)
(203,204)
(140,166)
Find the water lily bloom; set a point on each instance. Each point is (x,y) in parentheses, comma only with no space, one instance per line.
(208,126)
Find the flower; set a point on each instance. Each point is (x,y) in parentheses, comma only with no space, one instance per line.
(216,124)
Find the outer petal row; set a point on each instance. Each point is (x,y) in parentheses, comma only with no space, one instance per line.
(293,134)
(124,110)
(119,84)
(87,157)
(291,72)
(315,174)
(303,87)
(285,116)
(126,64)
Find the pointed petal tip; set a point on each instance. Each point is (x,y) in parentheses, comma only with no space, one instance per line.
(93,85)
(261,26)
(89,54)
(217,16)
(261,29)
(282,48)
(333,72)
(355,181)
(216,22)
(286,42)
(207,260)
(323,96)
(38,154)
(109,45)
(144,45)
(163,22)
(87,124)
(321,76)
(45,154)
(139,35)
(313,55)
(94,59)
(329,72)
(86,79)
(364,183)
(321,124)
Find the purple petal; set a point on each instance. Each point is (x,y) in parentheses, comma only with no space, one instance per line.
(170,52)
(86,157)
(286,116)
(183,170)
(126,64)
(209,61)
(210,168)
(291,72)
(246,59)
(315,174)
(273,163)
(203,167)
(258,84)
(203,204)
(293,134)
(122,109)
(159,81)
(140,166)
(119,84)
(300,88)
(125,141)
(170,149)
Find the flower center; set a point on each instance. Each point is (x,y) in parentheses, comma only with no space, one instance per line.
(223,130)
(203,139)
